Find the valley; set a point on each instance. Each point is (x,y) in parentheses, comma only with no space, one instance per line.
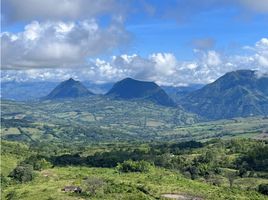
(97,119)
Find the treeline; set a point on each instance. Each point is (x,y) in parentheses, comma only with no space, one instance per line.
(245,157)
(209,156)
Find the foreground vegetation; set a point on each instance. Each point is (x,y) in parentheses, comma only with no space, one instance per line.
(216,169)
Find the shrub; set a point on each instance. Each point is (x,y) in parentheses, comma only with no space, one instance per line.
(134,166)
(23,173)
(263,188)
(93,185)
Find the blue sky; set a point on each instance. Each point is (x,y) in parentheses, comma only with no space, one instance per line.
(152,40)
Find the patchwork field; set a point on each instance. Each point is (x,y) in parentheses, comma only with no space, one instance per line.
(101,119)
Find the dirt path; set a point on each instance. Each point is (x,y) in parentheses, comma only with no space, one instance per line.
(180,197)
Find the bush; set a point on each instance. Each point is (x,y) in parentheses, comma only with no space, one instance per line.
(263,188)
(23,173)
(134,166)
(93,185)
(242,172)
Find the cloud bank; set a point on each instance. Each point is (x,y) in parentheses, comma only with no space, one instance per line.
(163,68)
(59,44)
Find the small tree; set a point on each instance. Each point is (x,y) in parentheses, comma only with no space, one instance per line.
(231,178)
(23,173)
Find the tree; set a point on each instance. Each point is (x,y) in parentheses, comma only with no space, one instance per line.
(231,178)
(256,158)
(23,173)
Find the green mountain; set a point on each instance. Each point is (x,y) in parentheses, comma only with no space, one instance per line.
(236,94)
(133,89)
(69,89)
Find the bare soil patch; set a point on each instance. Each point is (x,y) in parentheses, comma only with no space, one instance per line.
(180,197)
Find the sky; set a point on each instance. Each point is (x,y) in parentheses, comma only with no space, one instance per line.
(171,42)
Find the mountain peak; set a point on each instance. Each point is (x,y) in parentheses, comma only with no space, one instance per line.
(69,89)
(129,88)
(236,94)
(71,80)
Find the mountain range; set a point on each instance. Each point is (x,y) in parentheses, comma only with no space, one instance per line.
(239,93)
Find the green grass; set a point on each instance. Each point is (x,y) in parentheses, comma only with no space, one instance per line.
(8,163)
(123,186)
(11,154)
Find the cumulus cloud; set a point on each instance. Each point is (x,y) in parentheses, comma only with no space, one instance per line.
(261,50)
(163,68)
(59,44)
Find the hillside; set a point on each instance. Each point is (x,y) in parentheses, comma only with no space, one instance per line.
(69,89)
(138,171)
(236,94)
(133,89)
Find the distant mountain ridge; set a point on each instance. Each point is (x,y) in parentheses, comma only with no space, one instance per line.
(69,89)
(239,93)
(29,90)
(178,92)
(129,88)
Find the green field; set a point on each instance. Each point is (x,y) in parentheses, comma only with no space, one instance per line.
(152,185)
(98,119)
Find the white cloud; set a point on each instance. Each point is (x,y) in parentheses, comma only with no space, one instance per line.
(165,63)
(261,55)
(163,68)
(212,58)
(59,44)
